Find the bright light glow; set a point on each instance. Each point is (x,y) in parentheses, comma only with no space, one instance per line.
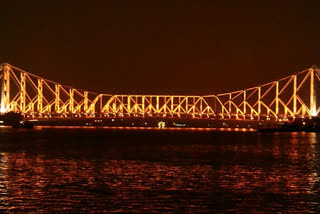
(314,112)
(161,124)
(2,109)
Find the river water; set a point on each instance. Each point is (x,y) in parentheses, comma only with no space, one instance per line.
(81,170)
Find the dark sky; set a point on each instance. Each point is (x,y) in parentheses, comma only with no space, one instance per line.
(161,47)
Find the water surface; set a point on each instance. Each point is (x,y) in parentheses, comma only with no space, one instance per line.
(80,170)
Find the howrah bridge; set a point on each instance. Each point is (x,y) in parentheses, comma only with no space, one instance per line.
(291,97)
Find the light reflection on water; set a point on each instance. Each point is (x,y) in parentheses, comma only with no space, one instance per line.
(81,170)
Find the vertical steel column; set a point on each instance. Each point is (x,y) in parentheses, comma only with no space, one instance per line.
(23,92)
(244,104)
(121,104)
(194,105)
(259,102)
(186,109)
(222,108)
(313,99)
(114,106)
(150,105)
(57,99)
(143,107)
(129,104)
(294,95)
(317,88)
(157,104)
(85,101)
(179,106)
(136,105)
(5,89)
(40,96)
(100,107)
(71,100)
(277,98)
(171,105)
(230,104)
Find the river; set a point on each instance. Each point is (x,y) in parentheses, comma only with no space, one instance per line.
(81,170)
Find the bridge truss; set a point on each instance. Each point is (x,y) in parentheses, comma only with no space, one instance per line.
(291,97)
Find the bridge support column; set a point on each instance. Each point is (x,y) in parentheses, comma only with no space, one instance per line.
(313,97)
(136,105)
(5,89)
(71,100)
(143,107)
(186,109)
(40,96)
(85,101)
(277,99)
(201,110)
(244,104)
(259,102)
(171,106)
(194,107)
(100,107)
(165,106)
(157,104)
(57,99)
(229,106)
(114,107)
(23,92)
(294,95)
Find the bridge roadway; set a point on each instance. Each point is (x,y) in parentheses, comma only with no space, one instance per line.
(299,124)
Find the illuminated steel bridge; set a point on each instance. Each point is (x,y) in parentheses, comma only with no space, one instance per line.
(291,97)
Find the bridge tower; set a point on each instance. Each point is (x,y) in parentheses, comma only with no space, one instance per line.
(314,71)
(5,88)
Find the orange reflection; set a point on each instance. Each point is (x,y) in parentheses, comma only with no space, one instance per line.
(148,128)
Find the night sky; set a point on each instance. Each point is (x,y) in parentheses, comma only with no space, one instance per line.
(161,47)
